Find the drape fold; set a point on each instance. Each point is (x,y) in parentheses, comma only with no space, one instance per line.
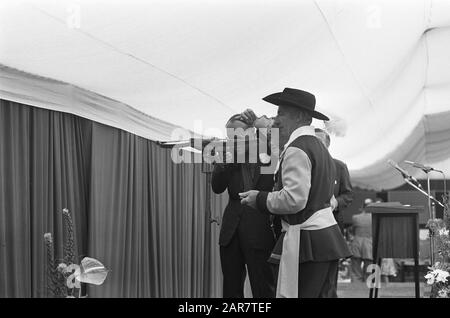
(134,210)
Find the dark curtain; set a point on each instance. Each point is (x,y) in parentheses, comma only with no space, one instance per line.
(137,212)
(147,218)
(43,161)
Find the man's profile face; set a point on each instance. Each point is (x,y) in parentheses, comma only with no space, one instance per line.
(285,120)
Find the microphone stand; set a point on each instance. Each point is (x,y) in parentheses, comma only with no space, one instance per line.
(423,192)
(430,211)
(445,181)
(432,217)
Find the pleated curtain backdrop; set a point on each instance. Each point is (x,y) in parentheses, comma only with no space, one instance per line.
(137,212)
(43,161)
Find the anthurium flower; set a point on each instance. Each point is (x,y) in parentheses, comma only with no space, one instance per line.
(91,271)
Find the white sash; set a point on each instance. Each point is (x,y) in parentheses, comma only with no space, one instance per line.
(287,285)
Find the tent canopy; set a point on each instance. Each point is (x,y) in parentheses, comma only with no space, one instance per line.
(147,67)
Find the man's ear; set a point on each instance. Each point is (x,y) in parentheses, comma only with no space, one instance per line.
(306,118)
(299,116)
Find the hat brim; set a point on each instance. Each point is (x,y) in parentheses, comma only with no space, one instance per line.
(277,99)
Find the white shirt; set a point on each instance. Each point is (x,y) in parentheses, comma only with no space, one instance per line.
(296,177)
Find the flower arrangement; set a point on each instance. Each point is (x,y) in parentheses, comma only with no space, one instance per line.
(439,275)
(64,279)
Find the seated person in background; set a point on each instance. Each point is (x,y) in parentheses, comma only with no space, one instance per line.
(246,236)
(361,244)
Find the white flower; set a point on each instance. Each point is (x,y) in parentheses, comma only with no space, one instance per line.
(441,276)
(443,232)
(62,267)
(430,278)
(443,293)
(48,237)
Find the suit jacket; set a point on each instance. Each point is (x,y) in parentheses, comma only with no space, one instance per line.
(343,191)
(253,226)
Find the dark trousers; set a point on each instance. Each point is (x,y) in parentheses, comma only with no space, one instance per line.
(233,259)
(333,289)
(340,221)
(317,279)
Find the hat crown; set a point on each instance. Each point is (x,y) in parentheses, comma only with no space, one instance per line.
(305,98)
(296,98)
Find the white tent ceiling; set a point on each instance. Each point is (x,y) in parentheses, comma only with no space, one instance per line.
(381,66)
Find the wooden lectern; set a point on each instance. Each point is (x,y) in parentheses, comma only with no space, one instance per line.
(395,232)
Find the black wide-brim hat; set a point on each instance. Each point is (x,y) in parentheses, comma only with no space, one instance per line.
(296,98)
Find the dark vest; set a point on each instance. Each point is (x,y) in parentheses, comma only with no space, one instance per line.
(322,178)
(328,243)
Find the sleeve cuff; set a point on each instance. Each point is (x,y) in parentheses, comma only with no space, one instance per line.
(261,201)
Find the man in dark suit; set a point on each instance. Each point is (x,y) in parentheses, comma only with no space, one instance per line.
(343,191)
(246,236)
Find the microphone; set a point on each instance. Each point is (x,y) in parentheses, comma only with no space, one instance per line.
(426,169)
(404,173)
